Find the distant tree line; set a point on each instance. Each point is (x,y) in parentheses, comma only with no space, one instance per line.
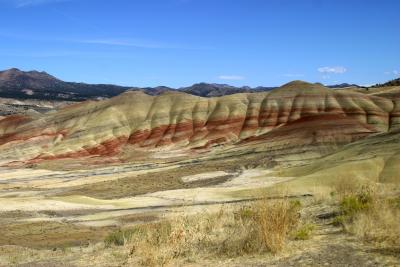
(395,82)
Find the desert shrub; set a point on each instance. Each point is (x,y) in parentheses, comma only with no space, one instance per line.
(371,216)
(354,202)
(244,213)
(351,205)
(339,220)
(361,199)
(379,225)
(304,232)
(258,227)
(115,238)
(274,221)
(395,202)
(119,237)
(343,186)
(263,226)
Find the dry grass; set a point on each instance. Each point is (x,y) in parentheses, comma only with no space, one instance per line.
(345,186)
(380,225)
(368,212)
(47,234)
(378,221)
(150,182)
(259,227)
(274,221)
(304,231)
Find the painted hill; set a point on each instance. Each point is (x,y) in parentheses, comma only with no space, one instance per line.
(179,121)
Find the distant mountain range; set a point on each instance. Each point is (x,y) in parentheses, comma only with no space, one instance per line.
(15,83)
(18,84)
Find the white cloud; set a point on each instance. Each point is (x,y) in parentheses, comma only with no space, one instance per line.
(231,77)
(335,70)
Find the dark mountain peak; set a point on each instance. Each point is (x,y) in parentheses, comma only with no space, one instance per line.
(15,83)
(342,85)
(14,73)
(13,70)
(212,89)
(6,74)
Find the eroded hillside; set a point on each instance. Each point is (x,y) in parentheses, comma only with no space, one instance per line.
(297,114)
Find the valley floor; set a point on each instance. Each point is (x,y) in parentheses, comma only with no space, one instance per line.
(61,218)
(329,245)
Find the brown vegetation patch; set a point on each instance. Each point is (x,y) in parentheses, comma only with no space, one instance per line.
(146,183)
(257,227)
(50,234)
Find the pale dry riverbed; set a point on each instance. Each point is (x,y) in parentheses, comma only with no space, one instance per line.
(46,209)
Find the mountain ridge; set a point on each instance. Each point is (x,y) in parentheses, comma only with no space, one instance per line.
(15,83)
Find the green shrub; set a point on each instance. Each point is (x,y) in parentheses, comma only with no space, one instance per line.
(395,202)
(295,204)
(304,232)
(244,213)
(353,204)
(339,220)
(119,237)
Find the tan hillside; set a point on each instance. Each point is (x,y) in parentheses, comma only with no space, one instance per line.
(178,120)
(376,158)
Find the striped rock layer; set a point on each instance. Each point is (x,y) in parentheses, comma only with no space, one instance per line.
(296,114)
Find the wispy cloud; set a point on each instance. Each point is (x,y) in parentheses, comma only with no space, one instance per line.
(133,43)
(28,3)
(393,72)
(139,43)
(335,70)
(293,75)
(231,77)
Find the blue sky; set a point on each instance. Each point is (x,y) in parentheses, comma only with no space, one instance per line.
(181,42)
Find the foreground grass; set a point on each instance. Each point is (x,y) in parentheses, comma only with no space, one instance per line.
(259,227)
(265,229)
(371,213)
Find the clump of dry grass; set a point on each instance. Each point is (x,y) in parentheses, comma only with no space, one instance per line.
(304,232)
(380,225)
(258,227)
(274,221)
(370,214)
(345,186)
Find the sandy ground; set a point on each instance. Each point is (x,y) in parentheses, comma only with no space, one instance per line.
(17,193)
